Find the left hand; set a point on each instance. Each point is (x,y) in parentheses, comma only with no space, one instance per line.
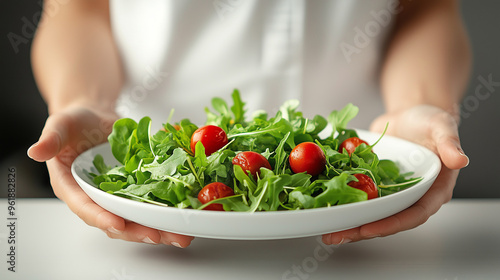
(435,129)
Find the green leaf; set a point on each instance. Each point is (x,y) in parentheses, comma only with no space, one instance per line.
(339,119)
(278,129)
(112,186)
(280,155)
(170,191)
(299,200)
(246,183)
(317,125)
(238,107)
(200,158)
(121,138)
(300,180)
(338,192)
(220,106)
(289,110)
(230,203)
(345,134)
(168,167)
(132,163)
(99,164)
(218,163)
(267,195)
(143,134)
(183,136)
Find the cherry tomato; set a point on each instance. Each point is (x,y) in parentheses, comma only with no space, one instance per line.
(214,191)
(350,144)
(251,161)
(212,137)
(307,157)
(366,184)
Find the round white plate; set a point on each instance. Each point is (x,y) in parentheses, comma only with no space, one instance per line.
(270,225)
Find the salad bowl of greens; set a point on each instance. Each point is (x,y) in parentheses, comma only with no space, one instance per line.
(156,178)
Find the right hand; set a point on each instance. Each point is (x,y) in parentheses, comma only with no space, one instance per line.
(68,133)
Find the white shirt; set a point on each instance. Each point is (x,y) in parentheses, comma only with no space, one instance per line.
(180,54)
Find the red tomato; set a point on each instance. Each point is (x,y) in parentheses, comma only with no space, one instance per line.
(307,157)
(214,191)
(366,184)
(350,144)
(212,137)
(251,161)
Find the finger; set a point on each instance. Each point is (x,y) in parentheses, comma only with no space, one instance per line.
(452,154)
(177,240)
(54,137)
(342,237)
(92,214)
(137,233)
(445,136)
(66,188)
(417,214)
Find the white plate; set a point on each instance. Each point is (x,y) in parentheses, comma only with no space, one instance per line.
(270,225)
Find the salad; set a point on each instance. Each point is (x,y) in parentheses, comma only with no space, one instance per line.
(267,163)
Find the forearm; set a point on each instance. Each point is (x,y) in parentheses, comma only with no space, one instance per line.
(74,57)
(428,59)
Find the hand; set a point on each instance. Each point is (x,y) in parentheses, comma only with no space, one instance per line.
(435,129)
(68,133)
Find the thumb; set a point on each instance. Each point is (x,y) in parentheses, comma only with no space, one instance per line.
(53,138)
(444,133)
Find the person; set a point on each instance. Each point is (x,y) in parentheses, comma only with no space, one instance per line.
(95,61)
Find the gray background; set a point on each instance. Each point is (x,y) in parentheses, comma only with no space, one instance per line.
(23,111)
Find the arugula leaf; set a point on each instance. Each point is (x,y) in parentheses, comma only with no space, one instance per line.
(168,167)
(339,119)
(317,125)
(299,200)
(246,184)
(121,138)
(143,134)
(289,110)
(183,136)
(280,155)
(238,107)
(220,106)
(100,165)
(338,192)
(112,186)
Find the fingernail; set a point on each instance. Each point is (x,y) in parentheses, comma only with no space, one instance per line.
(461,152)
(344,241)
(114,230)
(29,149)
(173,243)
(148,240)
(327,239)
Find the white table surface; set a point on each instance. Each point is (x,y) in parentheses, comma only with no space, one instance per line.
(462,241)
